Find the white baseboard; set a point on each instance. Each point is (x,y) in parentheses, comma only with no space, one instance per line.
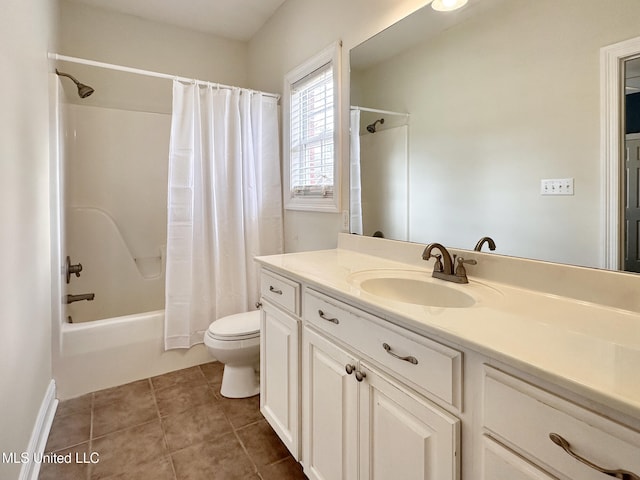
(40,433)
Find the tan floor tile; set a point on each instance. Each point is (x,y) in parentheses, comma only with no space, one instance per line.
(262,443)
(213,373)
(186,376)
(118,415)
(242,411)
(196,425)
(125,450)
(220,459)
(287,469)
(74,470)
(129,392)
(69,430)
(178,398)
(160,469)
(74,405)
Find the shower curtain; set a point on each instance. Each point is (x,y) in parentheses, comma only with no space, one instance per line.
(355,191)
(224,205)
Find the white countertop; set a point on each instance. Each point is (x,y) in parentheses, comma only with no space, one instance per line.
(591,350)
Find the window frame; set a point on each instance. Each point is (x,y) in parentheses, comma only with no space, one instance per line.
(330,55)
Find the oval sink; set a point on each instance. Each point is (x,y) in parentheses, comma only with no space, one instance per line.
(418,287)
(420,292)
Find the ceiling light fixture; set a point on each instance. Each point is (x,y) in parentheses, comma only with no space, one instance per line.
(447,5)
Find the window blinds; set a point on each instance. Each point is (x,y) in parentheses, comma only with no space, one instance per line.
(312,134)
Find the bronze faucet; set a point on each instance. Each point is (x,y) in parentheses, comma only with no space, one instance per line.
(446,271)
(488,240)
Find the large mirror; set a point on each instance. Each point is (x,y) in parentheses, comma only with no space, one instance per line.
(483,104)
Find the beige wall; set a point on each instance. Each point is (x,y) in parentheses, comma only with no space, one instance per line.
(569,148)
(296,32)
(111,37)
(25,293)
(498,103)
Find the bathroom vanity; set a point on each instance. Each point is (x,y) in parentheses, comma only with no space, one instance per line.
(370,368)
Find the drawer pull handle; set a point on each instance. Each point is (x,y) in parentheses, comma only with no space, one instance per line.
(328,319)
(410,359)
(621,474)
(349,368)
(275,290)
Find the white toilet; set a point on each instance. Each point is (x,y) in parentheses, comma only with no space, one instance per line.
(235,341)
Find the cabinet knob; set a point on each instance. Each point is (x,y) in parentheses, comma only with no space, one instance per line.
(360,375)
(349,368)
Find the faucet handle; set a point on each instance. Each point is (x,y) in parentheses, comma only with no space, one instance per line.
(460,270)
(437,266)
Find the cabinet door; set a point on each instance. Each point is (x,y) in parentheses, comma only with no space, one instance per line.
(279,374)
(500,463)
(403,435)
(329,416)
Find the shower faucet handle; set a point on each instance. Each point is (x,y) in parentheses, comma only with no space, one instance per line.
(69,269)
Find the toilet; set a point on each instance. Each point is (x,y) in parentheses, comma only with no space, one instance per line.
(235,341)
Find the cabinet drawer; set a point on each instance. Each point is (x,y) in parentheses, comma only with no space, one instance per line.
(500,463)
(281,291)
(423,364)
(524,416)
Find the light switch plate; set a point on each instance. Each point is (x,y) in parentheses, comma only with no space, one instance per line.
(556,186)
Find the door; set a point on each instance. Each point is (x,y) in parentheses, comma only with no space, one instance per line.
(330,403)
(632,203)
(403,435)
(279,386)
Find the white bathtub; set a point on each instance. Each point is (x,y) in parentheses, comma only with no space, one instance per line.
(105,353)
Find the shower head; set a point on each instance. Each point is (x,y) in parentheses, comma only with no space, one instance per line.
(372,128)
(83,90)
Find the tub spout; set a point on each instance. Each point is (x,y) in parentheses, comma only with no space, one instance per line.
(82,296)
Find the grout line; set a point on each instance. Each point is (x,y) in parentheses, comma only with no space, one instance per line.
(164,435)
(246,452)
(90,466)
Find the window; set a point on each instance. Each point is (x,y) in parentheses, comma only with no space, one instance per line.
(311,132)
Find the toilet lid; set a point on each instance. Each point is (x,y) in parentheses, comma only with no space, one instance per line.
(240,325)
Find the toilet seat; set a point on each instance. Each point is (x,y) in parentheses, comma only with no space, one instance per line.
(240,326)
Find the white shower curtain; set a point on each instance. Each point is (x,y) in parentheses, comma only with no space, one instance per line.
(355,194)
(224,205)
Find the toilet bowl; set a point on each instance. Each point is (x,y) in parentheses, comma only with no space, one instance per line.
(235,341)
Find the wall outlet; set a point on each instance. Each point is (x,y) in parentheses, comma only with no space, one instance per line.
(556,186)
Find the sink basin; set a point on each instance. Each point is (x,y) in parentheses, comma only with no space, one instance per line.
(415,287)
(409,290)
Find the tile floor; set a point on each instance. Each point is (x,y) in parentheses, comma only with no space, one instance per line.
(171,427)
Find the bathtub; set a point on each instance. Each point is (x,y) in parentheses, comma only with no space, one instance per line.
(110,352)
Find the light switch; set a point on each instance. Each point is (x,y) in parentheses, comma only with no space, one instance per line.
(556,186)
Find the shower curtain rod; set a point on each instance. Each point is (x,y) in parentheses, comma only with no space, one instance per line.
(148,73)
(375,110)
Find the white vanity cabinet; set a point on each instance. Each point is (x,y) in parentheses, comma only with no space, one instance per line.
(500,463)
(280,358)
(356,396)
(523,418)
(358,421)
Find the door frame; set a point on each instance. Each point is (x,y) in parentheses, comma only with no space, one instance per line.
(612,147)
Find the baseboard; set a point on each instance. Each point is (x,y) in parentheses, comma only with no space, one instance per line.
(40,433)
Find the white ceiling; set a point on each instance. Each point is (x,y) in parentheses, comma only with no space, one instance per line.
(233,19)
